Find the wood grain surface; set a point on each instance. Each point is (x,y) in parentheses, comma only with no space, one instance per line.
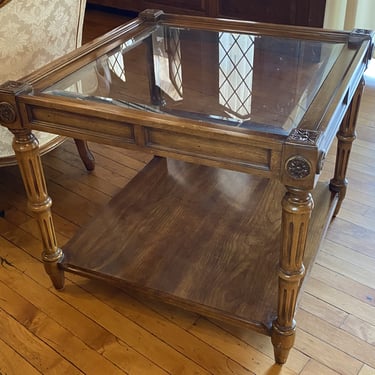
(92,327)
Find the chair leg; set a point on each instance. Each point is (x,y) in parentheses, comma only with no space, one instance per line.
(85,154)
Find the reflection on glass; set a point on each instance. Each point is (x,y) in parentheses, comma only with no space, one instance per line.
(236,59)
(116,64)
(167,62)
(232,79)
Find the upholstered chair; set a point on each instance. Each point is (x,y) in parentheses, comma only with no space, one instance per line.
(32,34)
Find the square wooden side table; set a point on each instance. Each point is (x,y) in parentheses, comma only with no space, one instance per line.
(226,220)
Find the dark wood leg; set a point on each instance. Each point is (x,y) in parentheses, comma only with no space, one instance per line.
(26,148)
(345,136)
(297,206)
(85,154)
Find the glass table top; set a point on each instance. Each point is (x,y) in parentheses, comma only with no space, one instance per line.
(263,83)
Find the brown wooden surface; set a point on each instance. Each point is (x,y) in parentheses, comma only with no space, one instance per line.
(196,237)
(300,155)
(290,12)
(94,328)
(187,138)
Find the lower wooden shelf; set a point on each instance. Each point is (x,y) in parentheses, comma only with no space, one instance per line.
(203,238)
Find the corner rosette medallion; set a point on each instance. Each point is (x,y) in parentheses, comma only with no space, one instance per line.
(298,167)
(7,113)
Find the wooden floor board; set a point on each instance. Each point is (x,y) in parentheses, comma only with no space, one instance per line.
(337,338)
(150,346)
(237,348)
(341,300)
(326,354)
(314,368)
(171,333)
(363,274)
(259,346)
(344,284)
(26,282)
(47,329)
(323,310)
(34,350)
(12,363)
(94,328)
(357,327)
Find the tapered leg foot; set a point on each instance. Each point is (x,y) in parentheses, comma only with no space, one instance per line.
(56,275)
(85,154)
(282,342)
(51,265)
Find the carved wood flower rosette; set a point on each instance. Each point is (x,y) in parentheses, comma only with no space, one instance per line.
(7,113)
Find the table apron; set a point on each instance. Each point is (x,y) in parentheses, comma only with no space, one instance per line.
(224,149)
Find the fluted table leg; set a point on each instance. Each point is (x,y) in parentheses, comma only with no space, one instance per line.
(297,206)
(26,148)
(346,135)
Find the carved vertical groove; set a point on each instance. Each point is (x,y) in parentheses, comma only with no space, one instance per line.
(297,206)
(35,185)
(26,148)
(346,135)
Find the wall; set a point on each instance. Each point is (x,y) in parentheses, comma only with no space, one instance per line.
(349,14)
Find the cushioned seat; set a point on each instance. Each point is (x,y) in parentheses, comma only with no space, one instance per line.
(32,34)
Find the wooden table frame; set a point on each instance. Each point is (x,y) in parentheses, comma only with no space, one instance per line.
(295,160)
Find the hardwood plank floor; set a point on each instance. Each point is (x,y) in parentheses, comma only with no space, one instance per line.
(93,328)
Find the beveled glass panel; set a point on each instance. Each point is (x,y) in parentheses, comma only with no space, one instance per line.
(233,79)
